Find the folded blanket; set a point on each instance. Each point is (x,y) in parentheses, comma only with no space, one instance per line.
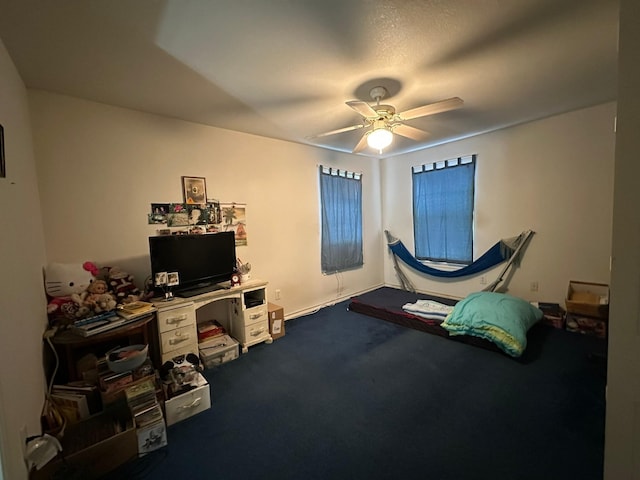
(428,309)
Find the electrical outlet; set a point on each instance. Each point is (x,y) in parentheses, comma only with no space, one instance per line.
(534,286)
(277,294)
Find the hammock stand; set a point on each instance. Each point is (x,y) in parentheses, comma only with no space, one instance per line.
(509,249)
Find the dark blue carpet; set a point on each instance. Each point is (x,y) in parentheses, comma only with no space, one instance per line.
(346,396)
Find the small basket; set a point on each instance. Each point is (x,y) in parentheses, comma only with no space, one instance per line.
(127,358)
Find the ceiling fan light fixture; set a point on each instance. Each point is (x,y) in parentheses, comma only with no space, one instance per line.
(380,138)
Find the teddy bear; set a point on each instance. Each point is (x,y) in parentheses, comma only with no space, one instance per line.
(63,282)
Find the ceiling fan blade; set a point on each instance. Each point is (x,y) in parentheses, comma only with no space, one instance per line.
(432,108)
(362,144)
(339,130)
(363,108)
(410,132)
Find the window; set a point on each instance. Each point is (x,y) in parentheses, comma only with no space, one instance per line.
(443,202)
(341,211)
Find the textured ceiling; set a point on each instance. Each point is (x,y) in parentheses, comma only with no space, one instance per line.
(285,68)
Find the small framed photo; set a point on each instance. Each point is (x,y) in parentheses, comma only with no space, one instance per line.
(161,279)
(173,279)
(194,190)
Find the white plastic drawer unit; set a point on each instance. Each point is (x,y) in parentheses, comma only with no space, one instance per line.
(170,319)
(188,404)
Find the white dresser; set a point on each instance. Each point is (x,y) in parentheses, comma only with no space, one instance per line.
(242,310)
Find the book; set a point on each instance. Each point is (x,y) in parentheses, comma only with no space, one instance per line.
(148,415)
(98,327)
(133,316)
(115,381)
(209,329)
(93,319)
(73,406)
(89,391)
(135,310)
(141,395)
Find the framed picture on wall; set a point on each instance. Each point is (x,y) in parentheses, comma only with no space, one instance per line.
(194,190)
(3,172)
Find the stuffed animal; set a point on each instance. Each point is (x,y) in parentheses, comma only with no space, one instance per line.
(98,298)
(62,281)
(122,286)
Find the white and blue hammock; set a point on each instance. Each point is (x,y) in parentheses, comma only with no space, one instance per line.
(508,249)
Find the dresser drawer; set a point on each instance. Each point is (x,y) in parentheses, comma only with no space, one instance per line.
(171,319)
(188,404)
(255,315)
(179,338)
(179,352)
(255,331)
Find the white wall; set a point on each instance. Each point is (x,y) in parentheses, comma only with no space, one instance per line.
(23,318)
(100,167)
(553,176)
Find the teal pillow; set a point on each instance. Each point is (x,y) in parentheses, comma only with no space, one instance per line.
(498,317)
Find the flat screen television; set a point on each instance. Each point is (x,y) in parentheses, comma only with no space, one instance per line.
(202,261)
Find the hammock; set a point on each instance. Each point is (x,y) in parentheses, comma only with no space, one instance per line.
(506,249)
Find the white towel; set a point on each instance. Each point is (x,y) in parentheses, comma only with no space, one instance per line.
(428,309)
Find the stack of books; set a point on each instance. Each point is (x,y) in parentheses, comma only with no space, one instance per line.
(97,324)
(76,400)
(209,329)
(103,322)
(147,415)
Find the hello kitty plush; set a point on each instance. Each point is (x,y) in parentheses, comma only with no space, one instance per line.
(63,281)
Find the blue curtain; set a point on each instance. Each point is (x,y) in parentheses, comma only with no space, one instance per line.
(341,206)
(443,200)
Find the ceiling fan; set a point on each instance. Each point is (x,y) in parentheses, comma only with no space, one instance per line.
(383,120)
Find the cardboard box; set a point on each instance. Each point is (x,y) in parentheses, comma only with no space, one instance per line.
(96,445)
(589,299)
(276,320)
(596,327)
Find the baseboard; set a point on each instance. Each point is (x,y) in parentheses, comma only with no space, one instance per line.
(308,311)
(425,292)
